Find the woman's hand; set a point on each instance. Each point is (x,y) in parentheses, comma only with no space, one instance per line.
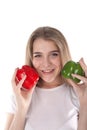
(81,88)
(23,97)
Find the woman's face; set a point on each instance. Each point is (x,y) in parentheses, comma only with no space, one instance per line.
(46,60)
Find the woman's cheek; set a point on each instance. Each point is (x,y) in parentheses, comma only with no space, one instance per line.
(36,63)
(57,62)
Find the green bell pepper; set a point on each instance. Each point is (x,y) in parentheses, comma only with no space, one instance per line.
(72,67)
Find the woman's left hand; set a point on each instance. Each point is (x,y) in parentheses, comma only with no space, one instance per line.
(81,88)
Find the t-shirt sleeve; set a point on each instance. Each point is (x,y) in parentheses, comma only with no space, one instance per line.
(11,105)
(74,98)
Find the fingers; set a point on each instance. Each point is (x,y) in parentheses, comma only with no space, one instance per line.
(81,61)
(72,83)
(82,78)
(32,89)
(18,85)
(83,65)
(21,82)
(15,83)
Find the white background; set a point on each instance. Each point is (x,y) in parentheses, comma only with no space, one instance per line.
(19,18)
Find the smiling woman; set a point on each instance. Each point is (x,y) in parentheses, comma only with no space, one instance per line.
(53,102)
(19,18)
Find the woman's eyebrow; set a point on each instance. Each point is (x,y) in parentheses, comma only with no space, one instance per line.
(55,51)
(49,52)
(36,52)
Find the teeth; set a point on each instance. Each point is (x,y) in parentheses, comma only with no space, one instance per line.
(47,71)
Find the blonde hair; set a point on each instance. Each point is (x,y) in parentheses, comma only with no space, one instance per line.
(48,33)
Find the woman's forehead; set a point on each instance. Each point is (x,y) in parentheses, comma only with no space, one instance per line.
(41,44)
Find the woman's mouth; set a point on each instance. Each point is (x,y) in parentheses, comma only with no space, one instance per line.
(47,71)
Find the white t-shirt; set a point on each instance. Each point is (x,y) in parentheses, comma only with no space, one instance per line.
(51,109)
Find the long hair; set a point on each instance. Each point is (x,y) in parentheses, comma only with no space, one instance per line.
(48,33)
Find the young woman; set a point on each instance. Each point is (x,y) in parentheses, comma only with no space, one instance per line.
(53,103)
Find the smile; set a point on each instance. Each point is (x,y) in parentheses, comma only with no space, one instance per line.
(47,71)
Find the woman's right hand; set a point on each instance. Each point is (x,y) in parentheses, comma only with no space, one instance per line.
(23,98)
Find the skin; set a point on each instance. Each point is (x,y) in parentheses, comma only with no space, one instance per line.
(46,60)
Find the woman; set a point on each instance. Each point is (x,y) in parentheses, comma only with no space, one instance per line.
(53,103)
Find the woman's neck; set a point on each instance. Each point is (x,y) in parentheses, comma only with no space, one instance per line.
(43,84)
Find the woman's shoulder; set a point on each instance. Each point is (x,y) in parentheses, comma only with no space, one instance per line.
(73,95)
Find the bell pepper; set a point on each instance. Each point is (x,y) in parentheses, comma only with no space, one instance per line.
(72,67)
(31,76)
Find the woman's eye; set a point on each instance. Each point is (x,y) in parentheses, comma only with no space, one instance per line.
(55,54)
(37,56)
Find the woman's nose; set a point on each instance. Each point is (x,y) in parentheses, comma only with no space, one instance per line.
(46,62)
